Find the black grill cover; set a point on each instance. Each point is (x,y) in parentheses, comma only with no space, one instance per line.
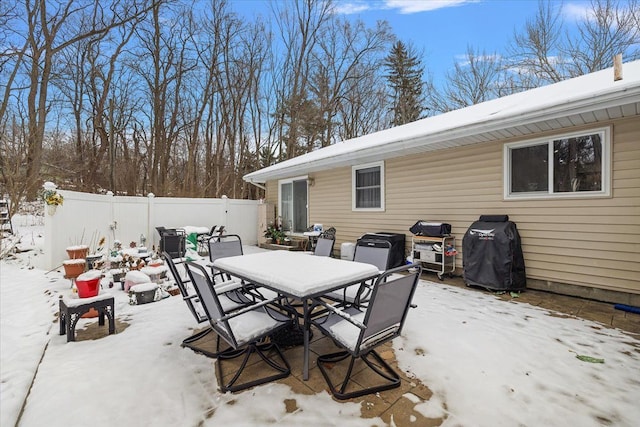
(396,257)
(492,255)
(432,229)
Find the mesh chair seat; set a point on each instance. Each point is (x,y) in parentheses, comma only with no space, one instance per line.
(257,322)
(231,298)
(359,330)
(243,330)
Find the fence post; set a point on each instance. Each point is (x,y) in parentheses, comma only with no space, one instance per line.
(225,199)
(151,220)
(113,224)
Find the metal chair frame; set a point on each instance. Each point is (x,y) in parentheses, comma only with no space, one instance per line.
(250,343)
(370,251)
(195,306)
(380,323)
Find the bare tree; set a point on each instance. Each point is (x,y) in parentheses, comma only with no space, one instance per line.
(85,74)
(544,53)
(165,45)
(197,101)
(48,32)
(474,80)
(299,28)
(364,108)
(611,27)
(347,53)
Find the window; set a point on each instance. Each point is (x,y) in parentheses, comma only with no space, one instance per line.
(293,204)
(368,187)
(561,166)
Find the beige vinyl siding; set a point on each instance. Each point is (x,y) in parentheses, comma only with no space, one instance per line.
(271,195)
(593,242)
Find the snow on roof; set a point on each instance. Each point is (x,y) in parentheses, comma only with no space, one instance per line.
(582,94)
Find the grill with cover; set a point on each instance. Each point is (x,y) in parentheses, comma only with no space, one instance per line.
(492,254)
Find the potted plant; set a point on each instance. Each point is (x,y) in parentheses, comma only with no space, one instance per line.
(51,197)
(281,237)
(275,233)
(95,257)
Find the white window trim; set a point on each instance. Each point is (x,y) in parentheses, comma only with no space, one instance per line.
(288,181)
(606,167)
(353,187)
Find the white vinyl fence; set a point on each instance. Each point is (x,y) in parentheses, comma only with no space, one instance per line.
(84,218)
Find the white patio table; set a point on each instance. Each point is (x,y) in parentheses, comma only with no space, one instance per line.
(297,275)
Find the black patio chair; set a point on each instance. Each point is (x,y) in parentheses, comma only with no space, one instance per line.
(370,251)
(329,233)
(203,239)
(227,245)
(244,331)
(229,299)
(222,246)
(324,246)
(360,330)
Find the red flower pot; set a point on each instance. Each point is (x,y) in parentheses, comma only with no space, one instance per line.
(88,288)
(73,268)
(77,252)
(91,313)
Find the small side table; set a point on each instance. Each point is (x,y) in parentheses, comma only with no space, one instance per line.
(313,239)
(72,308)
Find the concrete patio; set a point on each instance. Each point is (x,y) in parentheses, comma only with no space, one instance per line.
(398,405)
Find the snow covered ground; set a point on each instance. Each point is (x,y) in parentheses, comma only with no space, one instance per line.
(489,363)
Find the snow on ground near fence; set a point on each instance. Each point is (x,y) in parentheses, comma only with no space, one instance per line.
(489,362)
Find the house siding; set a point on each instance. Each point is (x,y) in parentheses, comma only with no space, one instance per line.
(589,242)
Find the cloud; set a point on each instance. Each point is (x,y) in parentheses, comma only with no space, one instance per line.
(352,7)
(578,11)
(463,59)
(415,6)
(401,6)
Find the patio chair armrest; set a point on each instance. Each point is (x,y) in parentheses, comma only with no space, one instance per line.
(246,309)
(227,285)
(345,316)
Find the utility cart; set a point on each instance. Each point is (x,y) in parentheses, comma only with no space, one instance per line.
(436,254)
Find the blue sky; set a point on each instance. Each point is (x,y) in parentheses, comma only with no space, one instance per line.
(442,28)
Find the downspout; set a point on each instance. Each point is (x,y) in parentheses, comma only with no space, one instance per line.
(260,186)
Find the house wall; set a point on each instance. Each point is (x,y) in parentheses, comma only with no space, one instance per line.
(588,247)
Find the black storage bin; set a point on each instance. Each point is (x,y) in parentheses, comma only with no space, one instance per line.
(172,241)
(492,255)
(396,258)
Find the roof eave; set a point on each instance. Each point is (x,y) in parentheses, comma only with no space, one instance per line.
(423,142)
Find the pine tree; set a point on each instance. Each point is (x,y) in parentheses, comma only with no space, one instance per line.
(405,80)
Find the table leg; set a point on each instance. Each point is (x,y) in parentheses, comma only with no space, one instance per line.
(306,326)
(63,319)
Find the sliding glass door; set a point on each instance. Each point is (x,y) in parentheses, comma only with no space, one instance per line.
(293,205)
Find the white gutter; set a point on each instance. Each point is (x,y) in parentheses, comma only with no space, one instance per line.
(260,186)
